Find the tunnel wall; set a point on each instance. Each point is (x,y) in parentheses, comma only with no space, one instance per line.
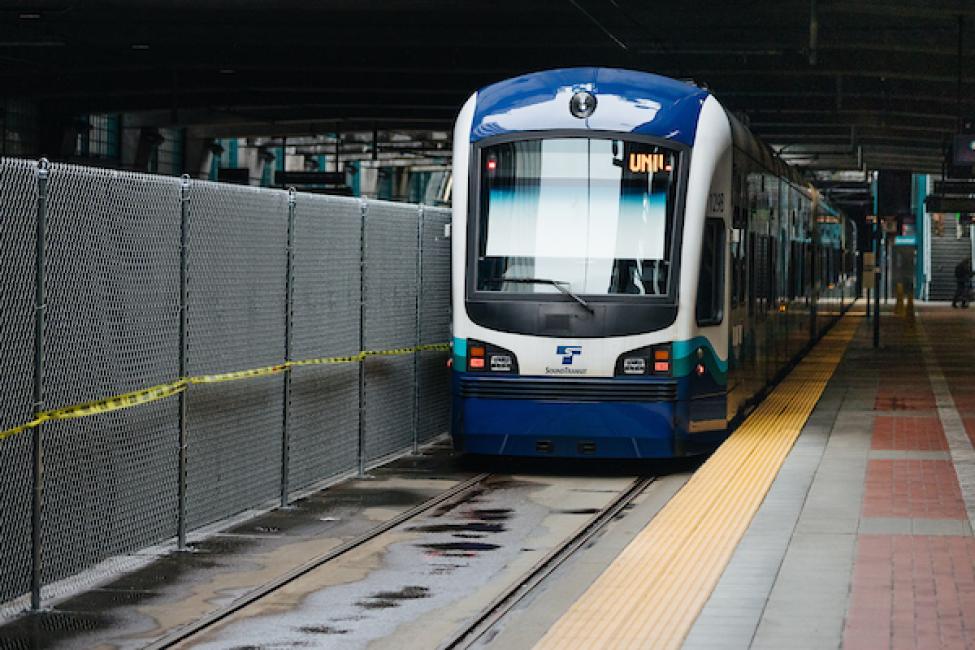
(364,275)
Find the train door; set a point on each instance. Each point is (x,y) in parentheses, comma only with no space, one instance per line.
(780,274)
(737,349)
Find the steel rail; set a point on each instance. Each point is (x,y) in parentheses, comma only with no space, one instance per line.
(192,629)
(504,602)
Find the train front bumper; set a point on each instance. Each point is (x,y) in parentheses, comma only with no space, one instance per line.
(569,418)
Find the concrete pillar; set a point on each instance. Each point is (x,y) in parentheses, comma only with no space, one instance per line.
(149,141)
(198,155)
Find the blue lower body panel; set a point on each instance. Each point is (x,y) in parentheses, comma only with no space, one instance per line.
(567,428)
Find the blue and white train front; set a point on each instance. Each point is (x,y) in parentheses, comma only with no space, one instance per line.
(576,202)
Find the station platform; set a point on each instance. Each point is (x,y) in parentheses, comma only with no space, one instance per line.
(864,537)
(838,515)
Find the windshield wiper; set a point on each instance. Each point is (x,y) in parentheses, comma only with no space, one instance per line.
(561,285)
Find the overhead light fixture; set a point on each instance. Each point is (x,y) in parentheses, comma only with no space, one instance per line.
(140,46)
(227,71)
(29,16)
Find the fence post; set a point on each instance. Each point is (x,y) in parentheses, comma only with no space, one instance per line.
(416,353)
(37,450)
(288,333)
(362,338)
(184,234)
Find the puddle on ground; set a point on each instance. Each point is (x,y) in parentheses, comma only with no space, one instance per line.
(450,506)
(509,483)
(406,593)
(488,514)
(387,599)
(375,496)
(467,527)
(444,569)
(578,511)
(458,549)
(376,604)
(321,629)
(45,628)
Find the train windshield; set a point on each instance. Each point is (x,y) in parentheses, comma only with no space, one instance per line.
(595,216)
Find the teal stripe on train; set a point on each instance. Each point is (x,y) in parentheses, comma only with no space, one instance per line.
(685,358)
(460,353)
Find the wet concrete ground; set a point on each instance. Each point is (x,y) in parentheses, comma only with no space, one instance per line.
(419,581)
(180,587)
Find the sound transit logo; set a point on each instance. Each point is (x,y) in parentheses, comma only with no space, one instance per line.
(567,353)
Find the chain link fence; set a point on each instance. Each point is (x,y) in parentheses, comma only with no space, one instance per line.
(361,275)
(18,208)
(111,327)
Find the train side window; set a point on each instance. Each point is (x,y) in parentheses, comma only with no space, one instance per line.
(738,280)
(752,261)
(710,286)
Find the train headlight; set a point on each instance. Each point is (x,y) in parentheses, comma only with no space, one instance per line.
(484,357)
(634,366)
(582,104)
(651,360)
(500,363)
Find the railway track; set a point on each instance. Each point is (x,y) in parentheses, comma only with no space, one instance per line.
(487,618)
(200,625)
(477,626)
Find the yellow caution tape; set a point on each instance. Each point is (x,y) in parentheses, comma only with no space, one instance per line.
(118,402)
(361,356)
(162,391)
(355,358)
(22,427)
(440,347)
(238,374)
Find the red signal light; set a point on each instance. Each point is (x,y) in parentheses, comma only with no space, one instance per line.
(492,164)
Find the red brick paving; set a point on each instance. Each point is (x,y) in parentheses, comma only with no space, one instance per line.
(926,489)
(914,433)
(904,397)
(912,592)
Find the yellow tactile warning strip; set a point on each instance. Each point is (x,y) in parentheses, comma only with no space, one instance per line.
(651,594)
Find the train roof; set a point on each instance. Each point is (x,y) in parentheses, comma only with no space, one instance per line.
(638,102)
(627,100)
(760,152)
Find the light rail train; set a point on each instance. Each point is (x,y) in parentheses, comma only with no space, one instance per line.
(632,268)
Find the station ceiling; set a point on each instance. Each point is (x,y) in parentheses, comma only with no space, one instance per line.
(833,84)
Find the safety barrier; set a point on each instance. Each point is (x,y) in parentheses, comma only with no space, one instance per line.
(162,391)
(116,283)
